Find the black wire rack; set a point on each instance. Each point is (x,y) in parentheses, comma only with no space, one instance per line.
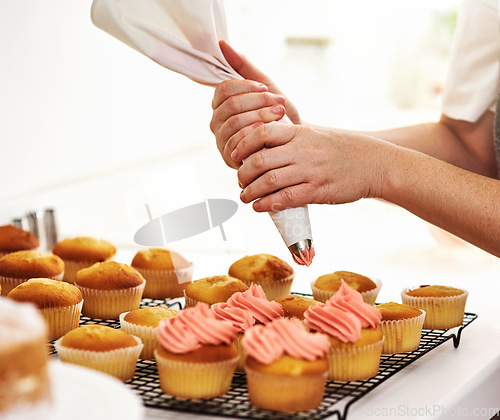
(338,396)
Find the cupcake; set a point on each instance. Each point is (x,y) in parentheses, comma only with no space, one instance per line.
(59,303)
(143,323)
(402,327)
(196,355)
(82,252)
(273,274)
(353,328)
(212,289)
(19,266)
(444,306)
(14,239)
(243,310)
(166,272)
(109,288)
(286,367)
(294,306)
(324,287)
(102,348)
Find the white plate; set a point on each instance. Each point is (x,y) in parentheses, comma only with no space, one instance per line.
(82,394)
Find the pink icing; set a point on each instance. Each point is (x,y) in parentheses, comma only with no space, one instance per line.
(267,343)
(334,321)
(193,328)
(240,318)
(351,300)
(254,300)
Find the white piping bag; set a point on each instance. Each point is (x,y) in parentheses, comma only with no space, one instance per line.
(183,36)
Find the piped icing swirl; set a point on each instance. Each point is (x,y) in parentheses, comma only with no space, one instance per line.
(268,343)
(193,328)
(334,321)
(255,302)
(351,300)
(241,318)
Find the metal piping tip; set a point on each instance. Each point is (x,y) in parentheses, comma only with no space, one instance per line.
(302,252)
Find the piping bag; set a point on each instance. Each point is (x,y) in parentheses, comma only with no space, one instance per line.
(183,36)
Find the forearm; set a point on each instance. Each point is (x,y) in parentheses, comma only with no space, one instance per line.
(459,201)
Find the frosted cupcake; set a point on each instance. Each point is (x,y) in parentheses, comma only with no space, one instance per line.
(59,303)
(102,348)
(143,323)
(196,355)
(353,327)
(444,306)
(109,288)
(325,286)
(286,366)
(402,327)
(212,289)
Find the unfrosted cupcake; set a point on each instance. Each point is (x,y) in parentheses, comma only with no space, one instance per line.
(325,286)
(143,323)
(196,355)
(286,367)
(109,288)
(273,274)
(167,273)
(402,327)
(212,289)
(102,348)
(14,239)
(294,306)
(19,266)
(82,252)
(444,306)
(59,303)
(353,327)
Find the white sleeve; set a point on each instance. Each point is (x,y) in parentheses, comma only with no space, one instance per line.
(472,83)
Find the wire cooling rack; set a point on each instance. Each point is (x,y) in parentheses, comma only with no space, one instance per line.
(337,399)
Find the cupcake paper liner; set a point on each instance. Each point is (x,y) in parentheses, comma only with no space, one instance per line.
(369,296)
(145,333)
(355,363)
(402,335)
(189,301)
(195,380)
(162,284)
(285,393)
(107,304)
(441,312)
(274,288)
(120,363)
(61,320)
(8,283)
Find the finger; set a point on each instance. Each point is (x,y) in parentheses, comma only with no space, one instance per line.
(292,196)
(228,88)
(228,147)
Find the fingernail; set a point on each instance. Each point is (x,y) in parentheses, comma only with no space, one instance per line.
(263,87)
(280,99)
(278,109)
(234,155)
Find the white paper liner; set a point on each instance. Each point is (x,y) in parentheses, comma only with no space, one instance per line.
(402,335)
(61,320)
(145,333)
(370,296)
(274,288)
(355,363)
(285,393)
(8,283)
(108,304)
(441,312)
(189,301)
(195,380)
(120,363)
(164,284)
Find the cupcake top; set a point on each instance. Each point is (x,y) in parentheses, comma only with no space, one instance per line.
(149,317)
(260,268)
(109,275)
(20,322)
(30,264)
(254,302)
(295,305)
(46,293)
(159,259)
(97,338)
(194,328)
(214,289)
(332,282)
(394,311)
(284,336)
(14,239)
(434,291)
(84,248)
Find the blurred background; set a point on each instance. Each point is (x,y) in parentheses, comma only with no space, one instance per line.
(88,124)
